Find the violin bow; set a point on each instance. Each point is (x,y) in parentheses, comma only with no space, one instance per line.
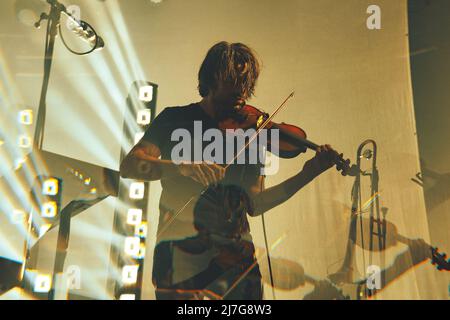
(253,137)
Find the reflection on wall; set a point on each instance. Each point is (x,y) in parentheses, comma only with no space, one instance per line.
(430,69)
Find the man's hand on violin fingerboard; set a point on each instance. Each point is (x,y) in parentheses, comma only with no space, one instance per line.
(324,159)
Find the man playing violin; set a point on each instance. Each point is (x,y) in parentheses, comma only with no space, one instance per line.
(205,244)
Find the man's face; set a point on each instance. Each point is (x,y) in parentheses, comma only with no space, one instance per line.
(226,97)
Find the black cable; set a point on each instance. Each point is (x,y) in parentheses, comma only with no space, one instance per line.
(267,249)
(41,122)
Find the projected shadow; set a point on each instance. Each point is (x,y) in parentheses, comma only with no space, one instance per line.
(418,251)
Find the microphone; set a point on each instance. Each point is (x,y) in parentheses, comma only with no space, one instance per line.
(83,30)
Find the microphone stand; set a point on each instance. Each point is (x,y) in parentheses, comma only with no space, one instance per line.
(345,272)
(54,19)
(53,22)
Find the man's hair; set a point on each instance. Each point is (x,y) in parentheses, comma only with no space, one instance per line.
(231,63)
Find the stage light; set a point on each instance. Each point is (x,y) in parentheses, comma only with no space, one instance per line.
(26,117)
(131,246)
(50,187)
(141,110)
(49,209)
(143,117)
(146,93)
(137,190)
(43,283)
(129,274)
(24,141)
(134,216)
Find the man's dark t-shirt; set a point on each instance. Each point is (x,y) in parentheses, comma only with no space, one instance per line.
(177,228)
(176,191)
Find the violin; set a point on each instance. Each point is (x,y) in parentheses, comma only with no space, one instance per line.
(292,139)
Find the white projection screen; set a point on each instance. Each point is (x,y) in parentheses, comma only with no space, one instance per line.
(351,84)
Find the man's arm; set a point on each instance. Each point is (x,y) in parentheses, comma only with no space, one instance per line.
(143,163)
(266,199)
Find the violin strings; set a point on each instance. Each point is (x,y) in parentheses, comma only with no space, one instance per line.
(259,129)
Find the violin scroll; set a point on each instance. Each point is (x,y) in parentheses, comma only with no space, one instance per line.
(345,167)
(440,260)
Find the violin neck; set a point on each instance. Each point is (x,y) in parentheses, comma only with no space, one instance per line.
(295,139)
